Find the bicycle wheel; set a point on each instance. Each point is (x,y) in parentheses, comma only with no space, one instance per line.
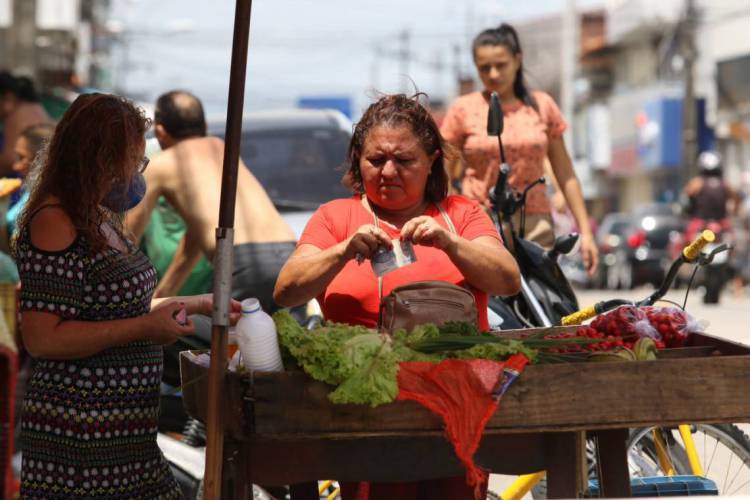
(723,450)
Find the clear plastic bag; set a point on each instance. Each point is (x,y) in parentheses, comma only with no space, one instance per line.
(628,322)
(673,324)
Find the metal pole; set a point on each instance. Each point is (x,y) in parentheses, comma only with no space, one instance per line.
(569,58)
(223,256)
(689,125)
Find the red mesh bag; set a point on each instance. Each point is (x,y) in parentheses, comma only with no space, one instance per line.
(461,393)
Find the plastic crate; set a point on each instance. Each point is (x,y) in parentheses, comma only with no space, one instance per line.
(665,486)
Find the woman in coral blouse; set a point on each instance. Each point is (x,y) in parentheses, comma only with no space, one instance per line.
(532,134)
(396,170)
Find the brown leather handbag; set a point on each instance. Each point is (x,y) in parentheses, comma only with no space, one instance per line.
(421,302)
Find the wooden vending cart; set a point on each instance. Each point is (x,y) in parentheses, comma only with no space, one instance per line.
(280,428)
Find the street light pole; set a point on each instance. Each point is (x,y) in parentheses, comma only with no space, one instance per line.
(689,111)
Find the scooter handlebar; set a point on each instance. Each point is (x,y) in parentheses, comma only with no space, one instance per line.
(691,252)
(578,317)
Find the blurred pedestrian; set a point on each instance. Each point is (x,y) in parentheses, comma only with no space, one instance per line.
(532,134)
(28,145)
(19,109)
(91,409)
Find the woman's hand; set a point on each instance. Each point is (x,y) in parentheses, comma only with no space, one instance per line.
(204,304)
(424,230)
(163,326)
(590,253)
(362,244)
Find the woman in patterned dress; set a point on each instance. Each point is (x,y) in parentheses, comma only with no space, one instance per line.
(532,135)
(92,404)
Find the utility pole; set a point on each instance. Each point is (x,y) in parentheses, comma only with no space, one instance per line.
(23,58)
(568,57)
(689,118)
(375,68)
(404,56)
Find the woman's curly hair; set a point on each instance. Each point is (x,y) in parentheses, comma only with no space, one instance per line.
(95,147)
(398,111)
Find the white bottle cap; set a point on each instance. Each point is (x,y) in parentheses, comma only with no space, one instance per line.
(250,305)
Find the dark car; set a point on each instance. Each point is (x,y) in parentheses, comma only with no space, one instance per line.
(645,254)
(297,155)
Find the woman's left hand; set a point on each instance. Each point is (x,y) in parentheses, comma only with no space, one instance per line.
(590,253)
(424,230)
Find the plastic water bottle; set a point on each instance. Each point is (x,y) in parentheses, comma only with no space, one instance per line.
(257,339)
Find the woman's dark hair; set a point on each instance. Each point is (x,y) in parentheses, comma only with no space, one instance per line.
(37,135)
(400,111)
(21,86)
(506,36)
(96,146)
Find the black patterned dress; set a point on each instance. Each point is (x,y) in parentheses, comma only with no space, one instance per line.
(89,425)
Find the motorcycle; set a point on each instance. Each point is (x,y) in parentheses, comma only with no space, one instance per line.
(546,295)
(715,273)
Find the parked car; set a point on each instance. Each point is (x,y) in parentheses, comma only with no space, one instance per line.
(297,155)
(644,256)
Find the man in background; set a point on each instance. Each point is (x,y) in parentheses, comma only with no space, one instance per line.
(188,174)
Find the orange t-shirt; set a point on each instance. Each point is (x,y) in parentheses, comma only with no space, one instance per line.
(526,135)
(352,296)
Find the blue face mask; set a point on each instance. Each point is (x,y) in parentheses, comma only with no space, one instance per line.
(119,200)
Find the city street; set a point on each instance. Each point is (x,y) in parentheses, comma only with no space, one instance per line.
(730,320)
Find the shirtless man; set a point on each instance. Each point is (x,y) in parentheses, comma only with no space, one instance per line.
(188,174)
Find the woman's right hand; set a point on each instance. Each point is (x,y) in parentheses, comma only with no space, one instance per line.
(163,327)
(365,242)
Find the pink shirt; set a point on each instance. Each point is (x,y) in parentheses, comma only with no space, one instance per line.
(526,137)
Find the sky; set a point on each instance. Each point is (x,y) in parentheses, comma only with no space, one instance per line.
(305,47)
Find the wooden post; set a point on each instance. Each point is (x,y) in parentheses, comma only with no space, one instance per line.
(223,257)
(562,453)
(612,463)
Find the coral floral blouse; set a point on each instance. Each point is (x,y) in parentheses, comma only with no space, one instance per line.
(526,136)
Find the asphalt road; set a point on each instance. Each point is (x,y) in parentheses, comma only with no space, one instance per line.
(729,319)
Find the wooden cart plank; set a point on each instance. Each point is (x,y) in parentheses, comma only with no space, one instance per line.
(561,397)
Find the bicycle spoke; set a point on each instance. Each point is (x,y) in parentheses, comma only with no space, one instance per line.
(712,457)
(729,467)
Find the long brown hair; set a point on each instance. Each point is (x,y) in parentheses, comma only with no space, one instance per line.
(96,146)
(393,111)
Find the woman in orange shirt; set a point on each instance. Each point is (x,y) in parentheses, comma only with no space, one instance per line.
(532,134)
(396,171)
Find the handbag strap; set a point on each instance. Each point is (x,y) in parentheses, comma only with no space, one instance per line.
(366,204)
